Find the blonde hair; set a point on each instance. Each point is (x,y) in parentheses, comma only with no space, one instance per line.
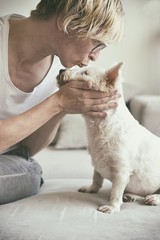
(99,20)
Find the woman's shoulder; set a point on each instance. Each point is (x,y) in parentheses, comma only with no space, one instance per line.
(5,18)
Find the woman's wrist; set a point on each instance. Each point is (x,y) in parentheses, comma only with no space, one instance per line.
(57,104)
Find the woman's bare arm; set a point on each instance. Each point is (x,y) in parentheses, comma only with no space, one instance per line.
(36,127)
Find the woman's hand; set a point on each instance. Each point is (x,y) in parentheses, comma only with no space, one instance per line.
(77,97)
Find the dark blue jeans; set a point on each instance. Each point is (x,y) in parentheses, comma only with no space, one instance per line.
(20,175)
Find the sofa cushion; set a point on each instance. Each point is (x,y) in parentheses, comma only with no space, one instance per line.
(146,109)
(59,212)
(72,133)
(65,163)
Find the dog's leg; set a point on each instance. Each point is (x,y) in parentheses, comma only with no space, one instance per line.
(130,197)
(96,184)
(119,183)
(152,199)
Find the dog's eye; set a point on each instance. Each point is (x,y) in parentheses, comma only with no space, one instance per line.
(86,73)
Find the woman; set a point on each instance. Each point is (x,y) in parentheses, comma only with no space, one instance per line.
(32,51)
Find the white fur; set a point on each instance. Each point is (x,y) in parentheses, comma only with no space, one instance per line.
(122,150)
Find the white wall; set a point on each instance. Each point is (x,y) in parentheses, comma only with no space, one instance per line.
(137,49)
(17,6)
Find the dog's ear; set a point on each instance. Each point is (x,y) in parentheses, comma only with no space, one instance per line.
(112,73)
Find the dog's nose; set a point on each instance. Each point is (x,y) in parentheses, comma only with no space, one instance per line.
(61,71)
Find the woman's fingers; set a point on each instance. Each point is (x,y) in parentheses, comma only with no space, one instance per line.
(96,114)
(104,107)
(74,98)
(80,84)
(92,94)
(86,85)
(105,99)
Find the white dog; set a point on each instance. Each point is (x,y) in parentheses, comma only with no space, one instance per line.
(121,149)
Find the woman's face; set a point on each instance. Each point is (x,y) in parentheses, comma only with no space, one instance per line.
(77,51)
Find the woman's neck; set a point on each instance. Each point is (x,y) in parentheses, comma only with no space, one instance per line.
(31,41)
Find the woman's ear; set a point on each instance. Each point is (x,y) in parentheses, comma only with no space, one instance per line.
(59,22)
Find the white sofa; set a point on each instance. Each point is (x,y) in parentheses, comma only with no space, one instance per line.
(146,109)
(60,212)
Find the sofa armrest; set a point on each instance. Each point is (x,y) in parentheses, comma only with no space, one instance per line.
(146,109)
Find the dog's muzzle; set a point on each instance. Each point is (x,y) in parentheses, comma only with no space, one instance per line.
(60,77)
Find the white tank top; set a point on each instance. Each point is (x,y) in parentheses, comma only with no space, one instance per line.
(13,101)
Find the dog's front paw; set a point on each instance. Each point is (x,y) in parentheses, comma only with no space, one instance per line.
(109,209)
(89,189)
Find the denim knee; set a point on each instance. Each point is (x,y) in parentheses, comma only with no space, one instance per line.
(19,178)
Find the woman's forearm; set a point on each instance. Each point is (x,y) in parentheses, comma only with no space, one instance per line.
(18,128)
(43,136)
